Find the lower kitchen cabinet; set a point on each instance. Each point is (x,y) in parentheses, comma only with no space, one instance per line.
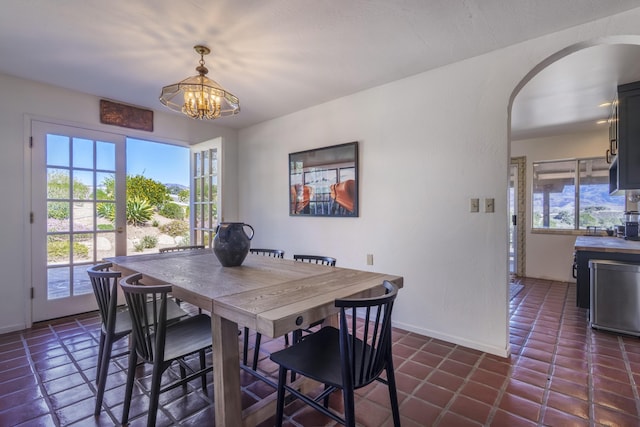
(582,274)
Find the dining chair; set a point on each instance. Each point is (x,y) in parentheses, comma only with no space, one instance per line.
(159,343)
(116,324)
(344,359)
(274,253)
(316,259)
(180,248)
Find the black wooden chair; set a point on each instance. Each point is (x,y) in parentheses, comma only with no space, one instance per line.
(180,248)
(116,324)
(316,259)
(274,253)
(345,359)
(159,343)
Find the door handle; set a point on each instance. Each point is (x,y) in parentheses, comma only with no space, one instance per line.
(120,229)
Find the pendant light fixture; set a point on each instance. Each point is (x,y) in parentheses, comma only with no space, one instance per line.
(200,97)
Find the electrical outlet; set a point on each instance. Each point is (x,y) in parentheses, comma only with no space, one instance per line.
(475,205)
(489,205)
(369,259)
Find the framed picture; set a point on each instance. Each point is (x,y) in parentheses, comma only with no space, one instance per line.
(324,181)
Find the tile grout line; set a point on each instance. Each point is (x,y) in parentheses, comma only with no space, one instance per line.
(552,365)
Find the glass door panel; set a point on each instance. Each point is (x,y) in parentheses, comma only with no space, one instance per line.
(75,205)
(205,184)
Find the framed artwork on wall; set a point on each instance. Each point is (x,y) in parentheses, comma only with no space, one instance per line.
(324,181)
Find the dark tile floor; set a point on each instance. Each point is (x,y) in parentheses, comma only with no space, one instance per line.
(560,373)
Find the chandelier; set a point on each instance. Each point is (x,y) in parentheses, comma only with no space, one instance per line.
(200,97)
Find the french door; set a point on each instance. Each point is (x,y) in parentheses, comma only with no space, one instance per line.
(77,214)
(206,191)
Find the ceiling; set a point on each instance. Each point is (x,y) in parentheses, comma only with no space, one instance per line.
(281,56)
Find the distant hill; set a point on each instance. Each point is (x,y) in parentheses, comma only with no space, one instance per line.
(175,188)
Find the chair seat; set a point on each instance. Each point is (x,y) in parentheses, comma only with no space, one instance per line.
(316,356)
(187,336)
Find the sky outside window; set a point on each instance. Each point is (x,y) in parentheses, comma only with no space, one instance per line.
(165,163)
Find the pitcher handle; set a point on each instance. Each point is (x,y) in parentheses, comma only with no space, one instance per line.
(252,231)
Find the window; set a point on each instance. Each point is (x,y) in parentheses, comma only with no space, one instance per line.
(574,195)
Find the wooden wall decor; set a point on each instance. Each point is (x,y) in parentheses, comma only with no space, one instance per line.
(113,113)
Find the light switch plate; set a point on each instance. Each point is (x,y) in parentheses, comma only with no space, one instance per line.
(474,205)
(489,205)
(369,259)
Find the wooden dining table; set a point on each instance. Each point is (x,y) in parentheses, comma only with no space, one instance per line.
(269,295)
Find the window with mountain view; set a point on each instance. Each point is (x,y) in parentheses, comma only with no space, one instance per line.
(573,195)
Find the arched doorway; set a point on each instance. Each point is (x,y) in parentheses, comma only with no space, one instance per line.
(561,99)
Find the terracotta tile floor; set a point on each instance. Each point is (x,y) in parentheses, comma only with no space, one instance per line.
(560,373)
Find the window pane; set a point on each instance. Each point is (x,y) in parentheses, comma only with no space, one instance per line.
(57,150)
(82,185)
(82,153)
(58,249)
(105,156)
(554,194)
(81,281)
(83,216)
(597,207)
(105,186)
(58,283)
(58,184)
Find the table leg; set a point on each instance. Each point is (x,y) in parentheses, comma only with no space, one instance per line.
(226,372)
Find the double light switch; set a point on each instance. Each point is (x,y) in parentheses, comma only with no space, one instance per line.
(489,205)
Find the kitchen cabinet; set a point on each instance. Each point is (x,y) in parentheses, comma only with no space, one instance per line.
(605,248)
(624,140)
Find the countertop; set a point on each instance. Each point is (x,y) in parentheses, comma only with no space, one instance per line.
(607,244)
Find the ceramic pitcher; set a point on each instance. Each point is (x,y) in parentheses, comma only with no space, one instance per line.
(231,243)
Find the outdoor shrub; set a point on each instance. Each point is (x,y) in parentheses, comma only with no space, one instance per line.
(149,241)
(175,228)
(106,211)
(183,195)
(105,227)
(138,247)
(58,186)
(148,189)
(155,223)
(58,210)
(59,250)
(172,211)
(139,211)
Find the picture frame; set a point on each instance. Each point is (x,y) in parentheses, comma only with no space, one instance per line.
(324,181)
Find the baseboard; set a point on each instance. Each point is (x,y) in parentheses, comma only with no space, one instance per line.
(475,345)
(12,328)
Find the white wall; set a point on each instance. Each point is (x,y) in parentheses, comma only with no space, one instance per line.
(428,143)
(23,99)
(551,256)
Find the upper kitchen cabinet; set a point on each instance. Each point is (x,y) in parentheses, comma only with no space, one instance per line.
(624,140)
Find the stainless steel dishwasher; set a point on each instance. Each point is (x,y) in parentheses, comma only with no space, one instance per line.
(615,296)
